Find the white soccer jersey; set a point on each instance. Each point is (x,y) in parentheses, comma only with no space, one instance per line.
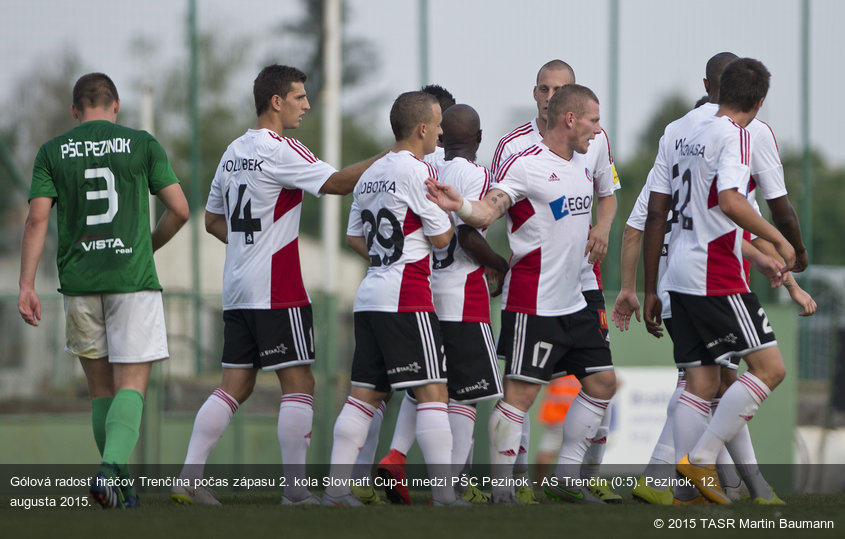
(548,225)
(390,210)
(457,281)
(258,187)
(701,156)
(599,160)
(436,157)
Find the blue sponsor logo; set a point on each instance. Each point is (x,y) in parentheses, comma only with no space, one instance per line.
(560,208)
(564,205)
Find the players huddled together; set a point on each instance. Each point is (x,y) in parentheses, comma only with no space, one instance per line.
(422,323)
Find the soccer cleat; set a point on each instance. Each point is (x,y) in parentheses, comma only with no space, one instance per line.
(506,497)
(698,500)
(474,495)
(706,480)
(131,501)
(308,500)
(775,500)
(573,494)
(603,493)
(739,492)
(646,494)
(105,494)
(459,502)
(367,495)
(392,469)
(347,500)
(197,496)
(525,495)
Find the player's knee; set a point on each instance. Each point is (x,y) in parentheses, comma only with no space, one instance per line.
(600,385)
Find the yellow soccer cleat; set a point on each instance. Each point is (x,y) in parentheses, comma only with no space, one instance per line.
(698,500)
(603,493)
(775,500)
(525,494)
(706,480)
(367,495)
(646,494)
(474,496)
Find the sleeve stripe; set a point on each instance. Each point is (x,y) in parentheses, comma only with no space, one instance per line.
(299,148)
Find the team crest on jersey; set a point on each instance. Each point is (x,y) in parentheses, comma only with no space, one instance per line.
(588,175)
(554,178)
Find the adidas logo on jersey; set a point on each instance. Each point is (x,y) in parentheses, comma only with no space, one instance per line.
(554,178)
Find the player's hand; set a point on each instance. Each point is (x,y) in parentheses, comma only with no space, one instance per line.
(802,259)
(495,279)
(803,299)
(652,312)
(29,305)
(772,269)
(444,195)
(787,253)
(626,304)
(597,241)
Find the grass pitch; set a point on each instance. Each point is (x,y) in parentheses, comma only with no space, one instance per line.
(260,515)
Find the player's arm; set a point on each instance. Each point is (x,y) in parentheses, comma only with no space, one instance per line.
(175,215)
(653,235)
(765,260)
(32,246)
(359,245)
(215,224)
(737,208)
(786,221)
(495,265)
(343,181)
(479,214)
(599,235)
(627,302)
(441,241)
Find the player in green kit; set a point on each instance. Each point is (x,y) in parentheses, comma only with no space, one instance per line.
(99,175)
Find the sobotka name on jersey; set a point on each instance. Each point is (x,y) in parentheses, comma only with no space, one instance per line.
(97,148)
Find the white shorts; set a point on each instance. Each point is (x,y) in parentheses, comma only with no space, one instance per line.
(128,328)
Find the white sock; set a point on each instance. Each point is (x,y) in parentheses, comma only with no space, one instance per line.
(435,439)
(738,405)
(405,430)
(212,419)
(505,428)
(728,475)
(689,421)
(350,433)
(296,413)
(364,463)
(462,423)
(595,451)
(520,466)
(582,420)
(742,451)
(662,462)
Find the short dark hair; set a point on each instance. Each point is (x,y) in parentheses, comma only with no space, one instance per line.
(444,97)
(274,80)
(715,65)
(94,90)
(572,97)
(556,65)
(745,81)
(410,110)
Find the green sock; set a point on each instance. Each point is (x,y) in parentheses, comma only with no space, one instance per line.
(99,410)
(122,426)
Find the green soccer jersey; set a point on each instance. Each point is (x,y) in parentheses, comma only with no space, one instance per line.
(100,174)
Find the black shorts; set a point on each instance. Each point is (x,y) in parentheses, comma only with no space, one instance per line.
(473,374)
(397,350)
(539,348)
(595,302)
(713,330)
(268,339)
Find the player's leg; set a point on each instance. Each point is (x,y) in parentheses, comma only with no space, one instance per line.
(363,468)
(392,466)
(296,415)
(100,379)
(505,430)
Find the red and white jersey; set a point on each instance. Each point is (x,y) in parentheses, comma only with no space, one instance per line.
(457,281)
(258,187)
(548,224)
(702,155)
(436,157)
(599,160)
(391,212)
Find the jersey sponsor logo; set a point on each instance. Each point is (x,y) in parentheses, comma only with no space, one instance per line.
(691,150)
(236,165)
(104,244)
(588,174)
(377,186)
(413,367)
(564,206)
(615,175)
(97,148)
